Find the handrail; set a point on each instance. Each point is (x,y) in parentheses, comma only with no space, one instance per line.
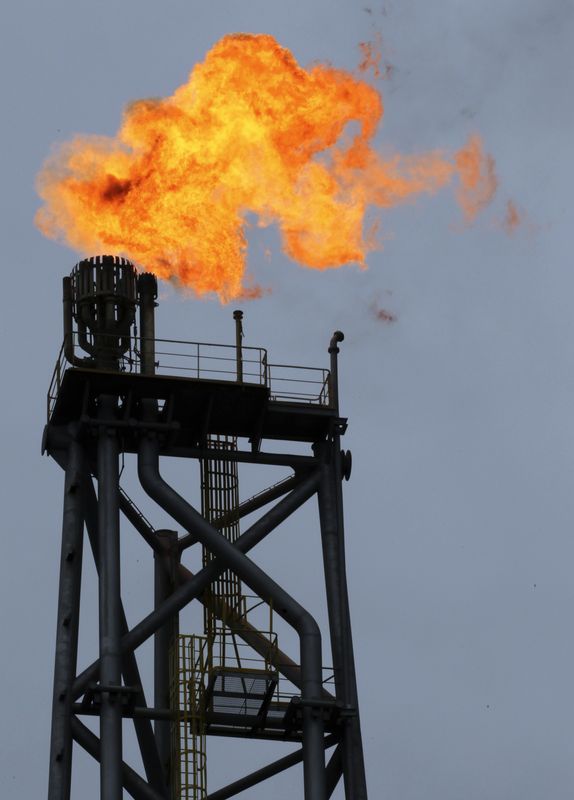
(202,361)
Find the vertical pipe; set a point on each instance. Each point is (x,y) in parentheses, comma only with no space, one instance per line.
(147,287)
(330,497)
(110,605)
(67,631)
(330,513)
(67,309)
(330,545)
(165,565)
(337,337)
(143,727)
(238,317)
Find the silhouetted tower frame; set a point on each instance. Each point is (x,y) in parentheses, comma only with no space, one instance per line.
(111,401)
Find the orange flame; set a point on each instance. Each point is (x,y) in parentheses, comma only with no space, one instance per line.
(250,132)
(478,179)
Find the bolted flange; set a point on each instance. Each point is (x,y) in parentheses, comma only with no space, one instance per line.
(346,464)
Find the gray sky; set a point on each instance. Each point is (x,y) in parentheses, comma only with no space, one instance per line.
(459,511)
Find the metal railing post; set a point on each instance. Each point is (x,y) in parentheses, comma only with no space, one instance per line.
(238,317)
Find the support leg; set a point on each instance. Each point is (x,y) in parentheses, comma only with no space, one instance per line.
(332,535)
(67,632)
(143,727)
(164,575)
(110,608)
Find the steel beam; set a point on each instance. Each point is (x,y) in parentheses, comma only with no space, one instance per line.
(248,506)
(131,781)
(137,712)
(332,534)
(258,501)
(143,727)
(164,578)
(67,627)
(330,499)
(109,605)
(334,770)
(195,585)
(147,533)
(268,771)
(254,577)
(57,438)
(147,287)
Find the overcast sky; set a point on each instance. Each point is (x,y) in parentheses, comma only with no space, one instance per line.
(459,511)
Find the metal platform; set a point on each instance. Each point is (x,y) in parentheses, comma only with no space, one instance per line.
(199,399)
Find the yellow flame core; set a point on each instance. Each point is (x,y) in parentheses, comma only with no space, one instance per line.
(250,132)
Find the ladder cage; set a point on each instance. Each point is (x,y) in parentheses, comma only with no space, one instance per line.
(219,497)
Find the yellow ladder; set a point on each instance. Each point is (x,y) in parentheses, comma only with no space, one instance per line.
(189,776)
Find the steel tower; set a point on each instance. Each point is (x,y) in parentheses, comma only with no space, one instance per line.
(117,390)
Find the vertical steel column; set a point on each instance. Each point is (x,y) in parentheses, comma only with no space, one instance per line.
(110,604)
(164,580)
(67,631)
(330,498)
(143,727)
(238,317)
(330,512)
(147,286)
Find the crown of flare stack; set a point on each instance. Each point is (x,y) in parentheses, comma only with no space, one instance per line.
(250,132)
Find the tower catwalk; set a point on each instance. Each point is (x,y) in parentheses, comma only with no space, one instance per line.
(116,391)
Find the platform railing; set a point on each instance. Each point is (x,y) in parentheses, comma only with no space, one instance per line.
(289,383)
(197,360)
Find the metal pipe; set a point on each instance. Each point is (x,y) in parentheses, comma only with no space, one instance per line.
(67,630)
(284,605)
(143,728)
(258,501)
(109,604)
(330,546)
(58,439)
(148,534)
(131,781)
(147,287)
(332,537)
(245,456)
(330,497)
(74,360)
(136,713)
(336,338)
(250,505)
(195,585)
(238,317)
(164,582)
(268,771)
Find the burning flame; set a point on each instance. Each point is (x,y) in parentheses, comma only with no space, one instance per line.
(250,132)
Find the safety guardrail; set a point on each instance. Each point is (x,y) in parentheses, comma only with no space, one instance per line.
(199,360)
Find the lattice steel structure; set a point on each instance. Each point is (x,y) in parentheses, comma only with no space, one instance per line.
(117,390)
